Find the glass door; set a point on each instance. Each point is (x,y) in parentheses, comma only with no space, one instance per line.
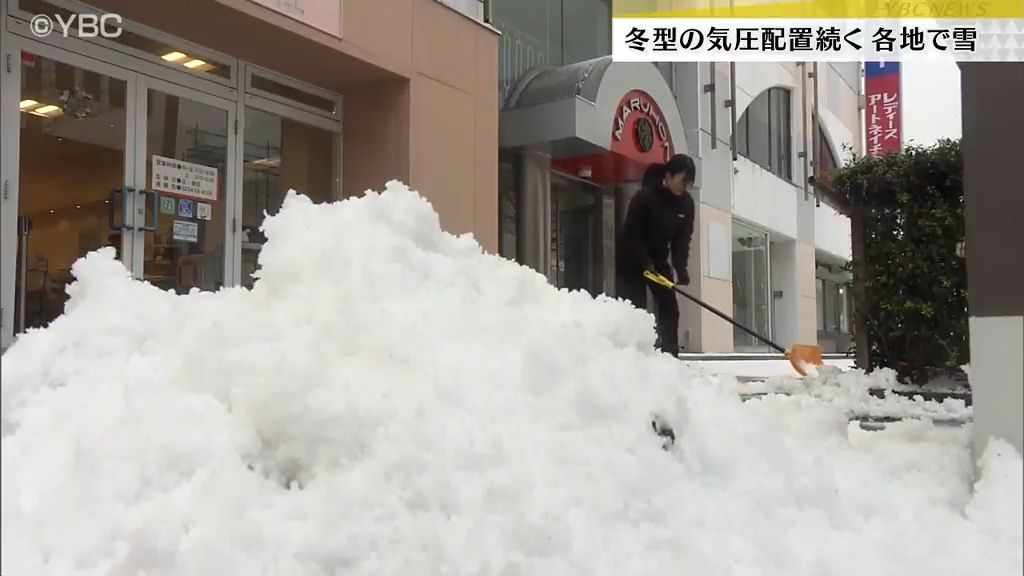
(95,154)
(751,289)
(184,168)
(576,234)
(280,153)
(72,155)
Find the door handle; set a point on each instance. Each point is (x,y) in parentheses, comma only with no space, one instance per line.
(147,227)
(111,203)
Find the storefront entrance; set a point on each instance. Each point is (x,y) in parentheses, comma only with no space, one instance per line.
(576,234)
(110,158)
(111,151)
(751,286)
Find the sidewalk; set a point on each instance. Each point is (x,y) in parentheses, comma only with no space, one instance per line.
(758,368)
(754,367)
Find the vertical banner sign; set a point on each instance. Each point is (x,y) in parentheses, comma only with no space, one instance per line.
(882,117)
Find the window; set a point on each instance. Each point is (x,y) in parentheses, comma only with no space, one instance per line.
(531,36)
(507,204)
(751,284)
(587,29)
(763,132)
(835,307)
(279,154)
(292,93)
(828,161)
(548,32)
(758,132)
(820,293)
(472,8)
(140,41)
(779,134)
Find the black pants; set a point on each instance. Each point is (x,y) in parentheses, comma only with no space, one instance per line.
(633,287)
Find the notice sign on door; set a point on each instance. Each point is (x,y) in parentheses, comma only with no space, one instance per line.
(184,179)
(185,231)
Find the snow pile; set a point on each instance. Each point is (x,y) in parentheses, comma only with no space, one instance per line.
(851,390)
(388,400)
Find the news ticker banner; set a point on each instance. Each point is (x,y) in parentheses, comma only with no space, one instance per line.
(818,30)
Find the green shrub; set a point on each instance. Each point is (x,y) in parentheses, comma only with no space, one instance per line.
(915,308)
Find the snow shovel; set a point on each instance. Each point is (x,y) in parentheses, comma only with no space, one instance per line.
(803,357)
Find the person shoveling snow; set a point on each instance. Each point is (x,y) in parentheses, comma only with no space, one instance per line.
(387,399)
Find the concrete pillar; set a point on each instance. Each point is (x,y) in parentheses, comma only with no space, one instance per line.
(993,121)
(793,297)
(787,295)
(533,240)
(807,307)
(711,257)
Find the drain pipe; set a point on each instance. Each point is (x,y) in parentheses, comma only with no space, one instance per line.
(815,131)
(804,128)
(709,89)
(732,110)
(732,98)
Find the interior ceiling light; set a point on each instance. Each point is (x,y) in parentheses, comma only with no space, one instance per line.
(47,111)
(24,104)
(194,64)
(174,56)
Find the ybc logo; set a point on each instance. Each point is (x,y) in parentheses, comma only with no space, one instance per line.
(77,25)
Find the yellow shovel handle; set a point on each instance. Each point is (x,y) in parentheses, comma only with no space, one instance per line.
(658,279)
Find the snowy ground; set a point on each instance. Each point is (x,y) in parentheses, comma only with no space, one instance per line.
(389,400)
(762,369)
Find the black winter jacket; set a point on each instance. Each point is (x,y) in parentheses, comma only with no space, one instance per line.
(657,223)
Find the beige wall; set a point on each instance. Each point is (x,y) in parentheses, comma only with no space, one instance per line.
(419,82)
(440,128)
(716,334)
(455,121)
(807,320)
(451,123)
(375,144)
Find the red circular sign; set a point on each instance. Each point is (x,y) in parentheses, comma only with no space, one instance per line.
(639,129)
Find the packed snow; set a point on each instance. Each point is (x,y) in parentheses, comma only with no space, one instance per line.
(851,390)
(388,399)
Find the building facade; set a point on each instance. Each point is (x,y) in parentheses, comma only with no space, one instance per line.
(577,129)
(993,119)
(169,135)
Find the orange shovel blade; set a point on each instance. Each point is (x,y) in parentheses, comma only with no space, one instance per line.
(803,357)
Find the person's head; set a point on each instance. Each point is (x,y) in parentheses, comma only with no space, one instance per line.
(680,172)
(676,175)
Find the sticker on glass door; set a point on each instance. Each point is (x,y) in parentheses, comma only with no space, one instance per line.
(185,231)
(167,206)
(184,179)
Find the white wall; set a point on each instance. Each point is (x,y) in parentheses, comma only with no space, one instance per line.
(832,232)
(754,78)
(784,278)
(996,374)
(764,199)
(754,195)
(840,119)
